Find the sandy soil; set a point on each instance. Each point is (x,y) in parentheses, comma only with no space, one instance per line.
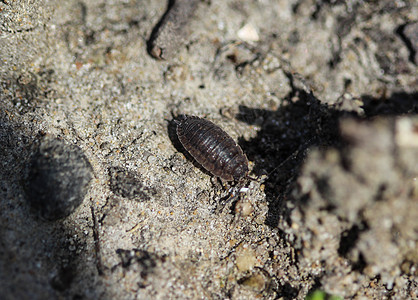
(98,202)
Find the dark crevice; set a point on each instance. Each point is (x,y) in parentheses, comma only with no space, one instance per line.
(408,43)
(348,242)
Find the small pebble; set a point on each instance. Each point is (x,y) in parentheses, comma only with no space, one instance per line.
(244,190)
(248,33)
(243,208)
(245,259)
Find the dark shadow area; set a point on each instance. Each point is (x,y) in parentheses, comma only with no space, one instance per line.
(280,146)
(399,103)
(287,291)
(302,122)
(128,184)
(348,241)
(38,258)
(141,262)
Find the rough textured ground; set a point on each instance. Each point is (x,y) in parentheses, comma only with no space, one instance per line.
(322,99)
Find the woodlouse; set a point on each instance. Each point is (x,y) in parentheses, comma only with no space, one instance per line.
(212,148)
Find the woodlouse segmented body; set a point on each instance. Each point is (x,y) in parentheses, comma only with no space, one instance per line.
(212,147)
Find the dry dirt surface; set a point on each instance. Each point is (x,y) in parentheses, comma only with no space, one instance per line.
(99,201)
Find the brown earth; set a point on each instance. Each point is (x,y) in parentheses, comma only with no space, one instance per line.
(322,100)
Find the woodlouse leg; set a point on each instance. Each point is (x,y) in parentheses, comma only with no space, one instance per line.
(221,186)
(172,30)
(233,196)
(216,182)
(229,200)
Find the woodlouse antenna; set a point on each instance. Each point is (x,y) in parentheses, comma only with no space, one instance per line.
(291,156)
